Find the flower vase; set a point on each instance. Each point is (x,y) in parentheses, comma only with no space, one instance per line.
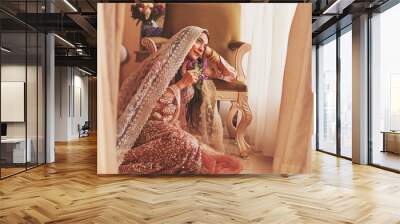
(150,29)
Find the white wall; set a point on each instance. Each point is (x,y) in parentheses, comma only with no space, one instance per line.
(33,127)
(13,100)
(80,112)
(62,81)
(9,73)
(12,73)
(71,102)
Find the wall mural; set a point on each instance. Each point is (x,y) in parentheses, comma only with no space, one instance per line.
(222,91)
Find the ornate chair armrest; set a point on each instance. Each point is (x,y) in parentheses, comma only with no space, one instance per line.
(124,54)
(152,43)
(239,48)
(235,85)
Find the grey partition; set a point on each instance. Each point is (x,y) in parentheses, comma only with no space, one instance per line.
(15,150)
(23,89)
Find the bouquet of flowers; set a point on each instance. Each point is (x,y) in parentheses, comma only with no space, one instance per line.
(200,67)
(147,12)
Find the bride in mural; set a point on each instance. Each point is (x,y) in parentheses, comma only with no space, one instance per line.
(163,106)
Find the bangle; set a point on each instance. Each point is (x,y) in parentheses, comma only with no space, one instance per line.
(214,56)
(209,52)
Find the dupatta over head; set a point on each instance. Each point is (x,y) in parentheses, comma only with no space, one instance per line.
(141,90)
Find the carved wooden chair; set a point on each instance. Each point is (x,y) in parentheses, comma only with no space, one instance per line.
(222,20)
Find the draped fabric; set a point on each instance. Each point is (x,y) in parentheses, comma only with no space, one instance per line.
(211,127)
(293,146)
(111,21)
(266,28)
(279,82)
(165,147)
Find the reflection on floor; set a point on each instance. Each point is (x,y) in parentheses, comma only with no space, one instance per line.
(10,171)
(13,169)
(387,159)
(256,163)
(346,152)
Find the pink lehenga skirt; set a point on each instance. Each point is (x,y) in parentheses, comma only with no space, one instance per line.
(165,148)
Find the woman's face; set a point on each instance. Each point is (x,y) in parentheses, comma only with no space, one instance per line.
(199,47)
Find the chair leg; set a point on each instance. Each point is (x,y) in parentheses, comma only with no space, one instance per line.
(229,119)
(243,124)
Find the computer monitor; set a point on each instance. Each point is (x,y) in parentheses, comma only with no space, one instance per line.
(3,129)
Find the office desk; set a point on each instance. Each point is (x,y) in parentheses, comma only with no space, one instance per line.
(13,150)
(391,141)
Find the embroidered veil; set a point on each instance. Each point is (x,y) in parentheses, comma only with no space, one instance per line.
(140,91)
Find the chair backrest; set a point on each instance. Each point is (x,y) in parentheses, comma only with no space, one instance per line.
(221,20)
(86,125)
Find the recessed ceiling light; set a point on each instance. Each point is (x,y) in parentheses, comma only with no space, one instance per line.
(5,50)
(84,71)
(337,7)
(65,41)
(70,5)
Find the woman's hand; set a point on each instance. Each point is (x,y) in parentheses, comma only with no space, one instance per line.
(189,78)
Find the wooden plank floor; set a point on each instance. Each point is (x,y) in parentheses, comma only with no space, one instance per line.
(69,191)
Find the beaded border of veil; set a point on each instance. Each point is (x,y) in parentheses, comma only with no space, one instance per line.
(140,91)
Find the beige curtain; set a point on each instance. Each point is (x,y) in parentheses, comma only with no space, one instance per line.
(266,27)
(110,24)
(293,147)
